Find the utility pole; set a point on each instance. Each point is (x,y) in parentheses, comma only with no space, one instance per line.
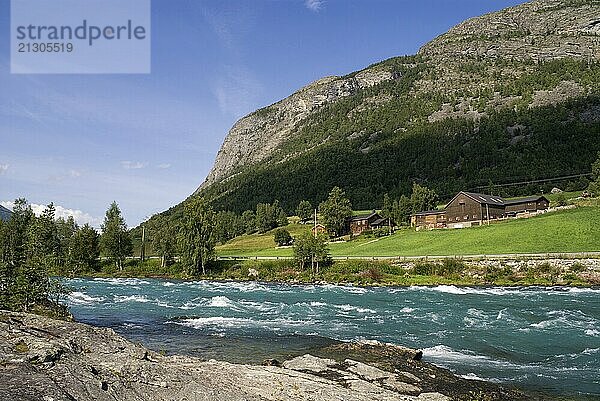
(487,211)
(315,224)
(143,247)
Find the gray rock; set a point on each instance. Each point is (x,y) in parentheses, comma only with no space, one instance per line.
(309,363)
(401,387)
(365,371)
(433,397)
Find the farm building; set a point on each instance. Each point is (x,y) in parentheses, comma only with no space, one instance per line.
(469,209)
(370,221)
(319,229)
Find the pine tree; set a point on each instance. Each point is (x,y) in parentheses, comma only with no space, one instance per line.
(304,210)
(115,240)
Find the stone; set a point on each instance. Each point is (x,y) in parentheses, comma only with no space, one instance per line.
(309,363)
(401,387)
(365,371)
(432,397)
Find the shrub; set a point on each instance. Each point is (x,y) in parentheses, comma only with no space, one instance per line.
(450,267)
(424,269)
(373,274)
(561,200)
(282,237)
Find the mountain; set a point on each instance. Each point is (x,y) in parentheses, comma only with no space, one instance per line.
(512,96)
(5,214)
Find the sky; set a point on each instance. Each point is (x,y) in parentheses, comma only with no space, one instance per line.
(147,141)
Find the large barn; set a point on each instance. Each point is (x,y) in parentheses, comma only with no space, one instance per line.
(469,209)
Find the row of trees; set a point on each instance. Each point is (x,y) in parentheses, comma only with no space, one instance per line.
(34,247)
(399,210)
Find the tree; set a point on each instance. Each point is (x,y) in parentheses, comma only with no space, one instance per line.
(164,243)
(269,216)
(84,249)
(311,249)
(336,211)
(282,237)
(387,208)
(196,238)
(594,186)
(32,284)
(304,210)
(561,199)
(402,210)
(115,240)
(66,230)
(249,221)
(423,198)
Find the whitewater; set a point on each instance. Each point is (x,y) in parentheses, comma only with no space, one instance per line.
(537,338)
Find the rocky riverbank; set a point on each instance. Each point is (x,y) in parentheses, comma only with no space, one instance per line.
(53,360)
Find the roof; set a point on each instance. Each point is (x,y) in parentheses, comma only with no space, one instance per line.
(379,222)
(429,212)
(364,216)
(524,200)
(483,198)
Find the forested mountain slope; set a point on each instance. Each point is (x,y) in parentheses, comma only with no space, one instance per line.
(510,96)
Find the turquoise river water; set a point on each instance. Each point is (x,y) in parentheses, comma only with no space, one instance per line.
(541,339)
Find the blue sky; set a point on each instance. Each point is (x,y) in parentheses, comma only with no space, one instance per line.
(147,141)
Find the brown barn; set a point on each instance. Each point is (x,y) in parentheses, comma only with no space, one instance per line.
(530,204)
(429,219)
(469,209)
(370,221)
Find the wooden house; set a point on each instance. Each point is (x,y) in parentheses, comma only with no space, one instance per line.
(318,229)
(469,209)
(531,204)
(364,222)
(429,219)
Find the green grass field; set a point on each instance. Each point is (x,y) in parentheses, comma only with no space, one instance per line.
(576,230)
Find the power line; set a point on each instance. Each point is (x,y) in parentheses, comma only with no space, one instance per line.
(511,184)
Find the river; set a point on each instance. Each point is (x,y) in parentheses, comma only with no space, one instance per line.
(541,339)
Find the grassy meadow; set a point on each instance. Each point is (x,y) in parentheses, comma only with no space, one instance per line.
(574,230)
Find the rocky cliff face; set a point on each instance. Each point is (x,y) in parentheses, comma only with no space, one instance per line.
(538,30)
(255,137)
(43,359)
(534,32)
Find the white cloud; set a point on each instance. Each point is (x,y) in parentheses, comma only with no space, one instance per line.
(129,165)
(164,165)
(4,168)
(314,5)
(80,216)
(75,173)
